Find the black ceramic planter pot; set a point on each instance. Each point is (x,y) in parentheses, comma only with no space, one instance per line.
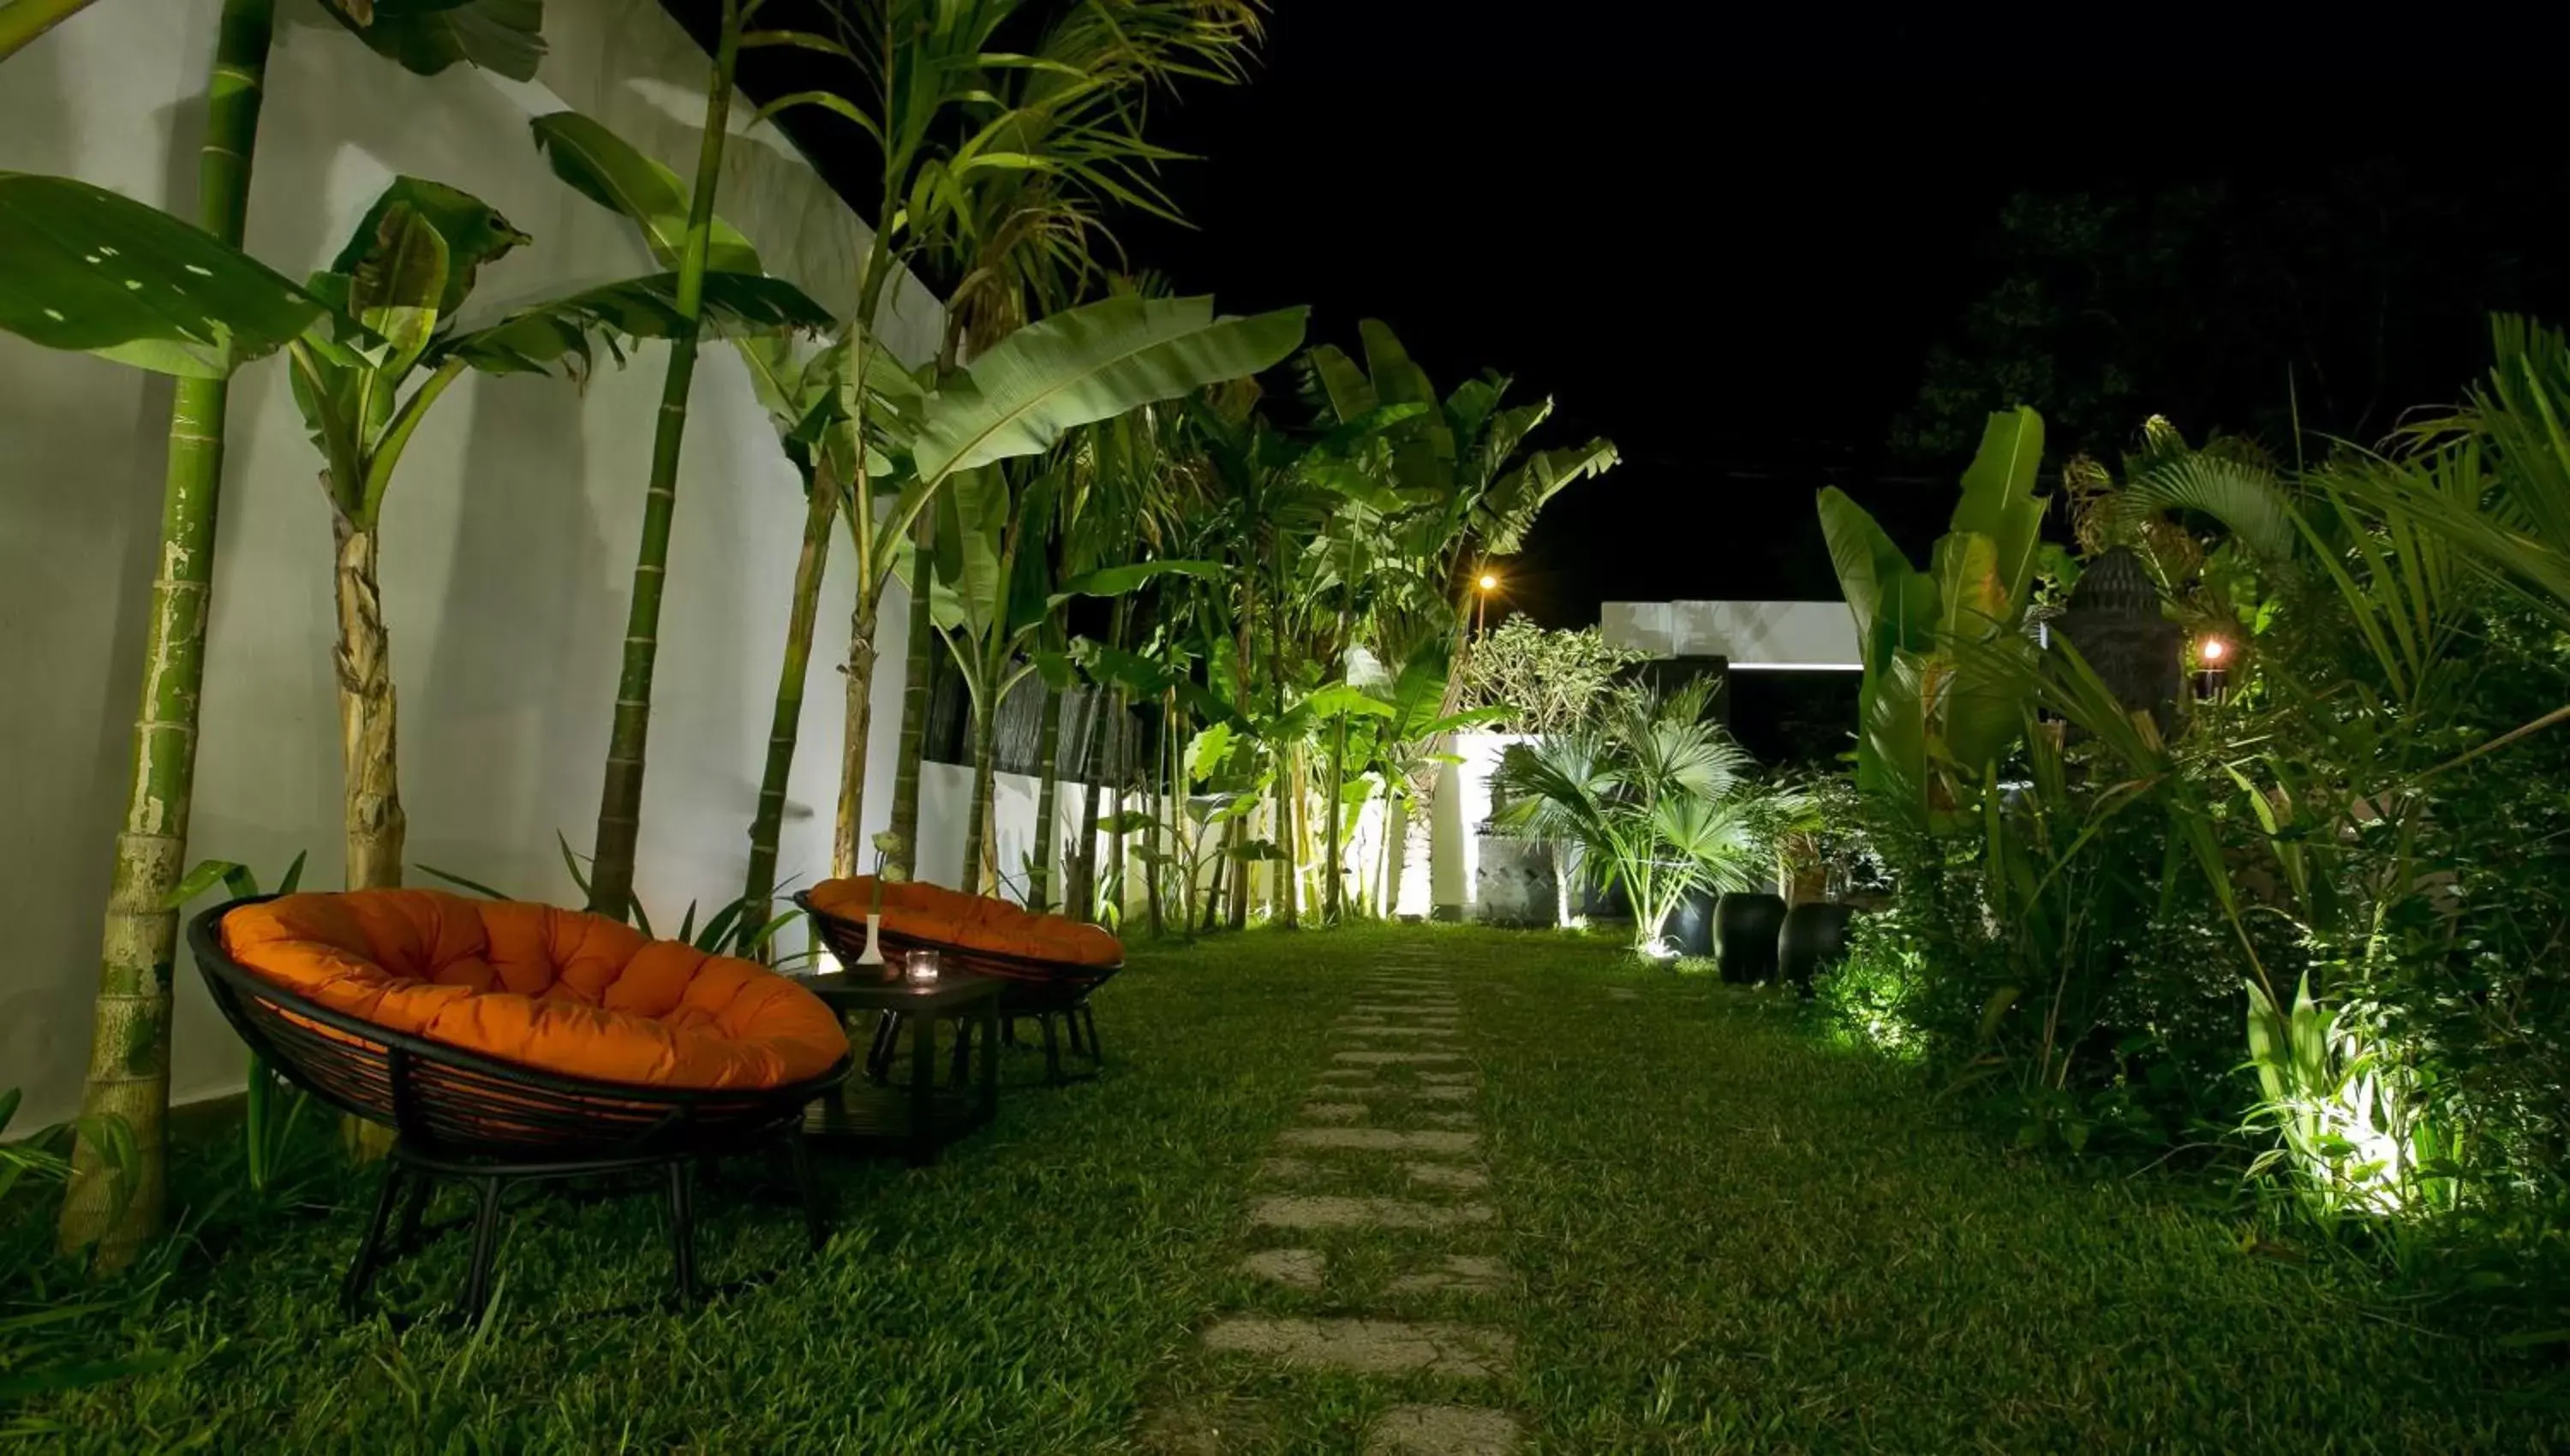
(1815,939)
(1690,923)
(1744,935)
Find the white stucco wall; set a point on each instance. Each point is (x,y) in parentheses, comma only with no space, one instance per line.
(1776,636)
(509,536)
(1462,802)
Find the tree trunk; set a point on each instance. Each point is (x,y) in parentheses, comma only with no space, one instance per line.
(1048,793)
(1396,851)
(856,736)
(1388,888)
(369,779)
(1235,842)
(129,1062)
(1335,790)
(785,721)
(919,677)
(1290,868)
(1079,895)
(977,827)
(619,802)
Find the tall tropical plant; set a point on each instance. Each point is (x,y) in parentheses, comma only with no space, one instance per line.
(1929,712)
(805,395)
(403,277)
(999,168)
(183,320)
(619,800)
(1657,797)
(1076,368)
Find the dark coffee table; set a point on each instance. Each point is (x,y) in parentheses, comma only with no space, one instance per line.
(924,1117)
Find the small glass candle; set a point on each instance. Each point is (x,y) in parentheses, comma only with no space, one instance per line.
(922,968)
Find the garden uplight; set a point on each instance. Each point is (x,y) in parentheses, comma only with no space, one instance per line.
(2212,650)
(1490,581)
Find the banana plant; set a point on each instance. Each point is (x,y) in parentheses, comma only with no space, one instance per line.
(996,599)
(404,277)
(1933,716)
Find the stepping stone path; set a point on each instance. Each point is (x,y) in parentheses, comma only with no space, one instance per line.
(1425,1335)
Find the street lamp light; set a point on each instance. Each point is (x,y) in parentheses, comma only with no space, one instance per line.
(1488,582)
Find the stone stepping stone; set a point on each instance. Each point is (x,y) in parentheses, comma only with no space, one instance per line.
(1399,1031)
(1622,993)
(1326,1211)
(1298,1168)
(1380,1058)
(1368,1346)
(1435,1175)
(1328,1090)
(1402,1008)
(1448,1119)
(1443,1430)
(1442,1079)
(1301,1269)
(1348,1074)
(1447,1093)
(1456,1274)
(1378,1140)
(1334,1112)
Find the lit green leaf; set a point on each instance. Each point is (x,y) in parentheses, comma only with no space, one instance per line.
(84,269)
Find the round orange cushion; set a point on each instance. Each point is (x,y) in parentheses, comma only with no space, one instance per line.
(553,990)
(977,923)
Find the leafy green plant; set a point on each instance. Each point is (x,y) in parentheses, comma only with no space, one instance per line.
(1540,681)
(1657,796)
(183,302)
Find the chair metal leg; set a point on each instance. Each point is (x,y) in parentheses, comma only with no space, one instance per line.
(887,1040)
(1071,1019)
(816,1221)
(414,1209)
(1089,1018)
(1052,1050)
(361,1273)
(486,1248)
(683,1231)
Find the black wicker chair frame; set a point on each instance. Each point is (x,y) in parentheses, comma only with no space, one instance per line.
(1045,991)
(490,1123)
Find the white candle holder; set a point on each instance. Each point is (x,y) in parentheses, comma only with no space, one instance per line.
(922,969)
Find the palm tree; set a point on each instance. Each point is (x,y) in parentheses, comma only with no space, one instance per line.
(1657,796)
(1015,212)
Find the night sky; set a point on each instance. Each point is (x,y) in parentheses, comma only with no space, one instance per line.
(1733,252)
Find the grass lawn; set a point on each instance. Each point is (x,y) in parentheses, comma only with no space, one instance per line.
(1723,1237)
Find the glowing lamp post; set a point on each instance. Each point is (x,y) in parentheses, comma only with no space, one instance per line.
(1488,583)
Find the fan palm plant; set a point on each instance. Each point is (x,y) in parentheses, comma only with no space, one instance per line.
(1655,794)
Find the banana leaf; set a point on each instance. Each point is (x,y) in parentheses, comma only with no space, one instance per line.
(84,269)
(558,331)
(428,36)
(608,171)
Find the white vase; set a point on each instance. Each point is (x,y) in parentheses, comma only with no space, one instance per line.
(874,941)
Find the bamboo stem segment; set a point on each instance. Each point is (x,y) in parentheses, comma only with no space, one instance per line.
(129,1070)
(620,806)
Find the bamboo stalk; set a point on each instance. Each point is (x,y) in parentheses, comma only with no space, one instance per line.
(856,738)
(129,1065)
(1048,793)
(620,804)
(784,724)
(915,695)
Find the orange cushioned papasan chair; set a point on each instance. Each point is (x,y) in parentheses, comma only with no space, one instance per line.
(1049,963)
(505,1041)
